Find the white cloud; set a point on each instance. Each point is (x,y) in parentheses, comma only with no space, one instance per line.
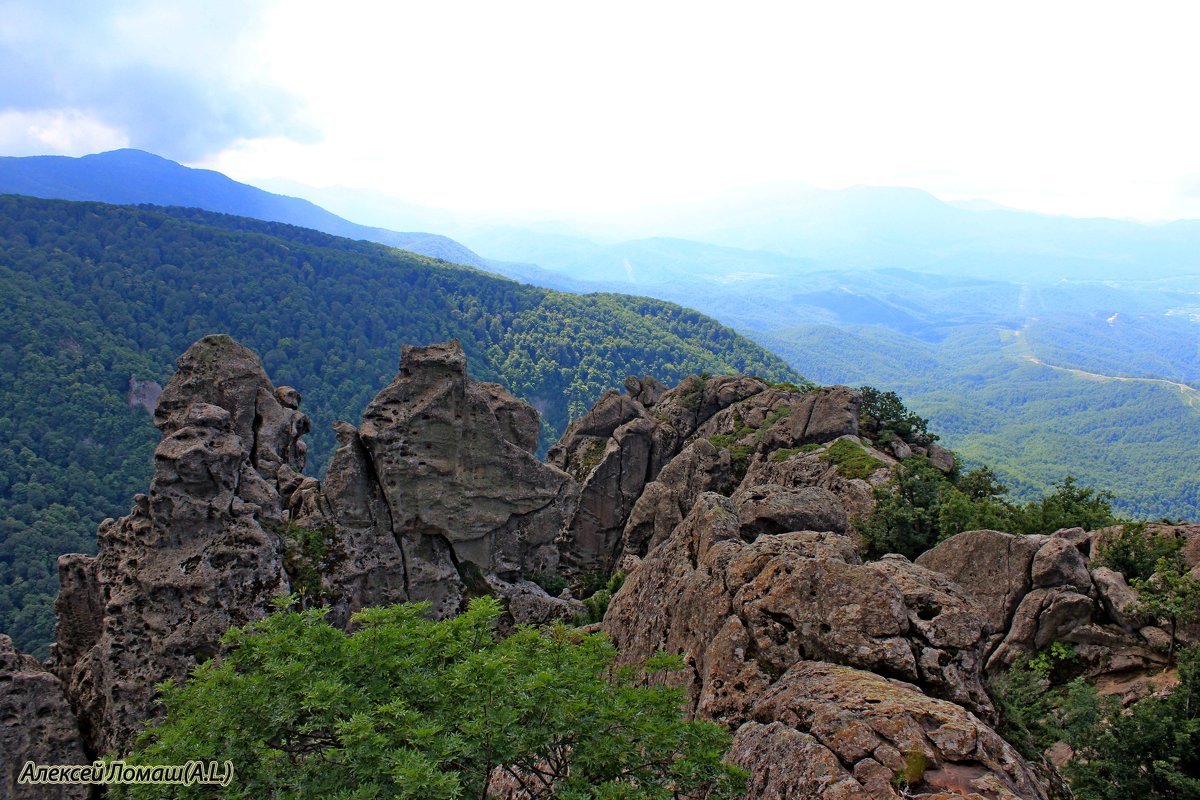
(1065,107)
(183,80)
(65,131)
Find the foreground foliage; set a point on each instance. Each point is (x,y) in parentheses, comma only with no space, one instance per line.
(406,707)
(1151,750)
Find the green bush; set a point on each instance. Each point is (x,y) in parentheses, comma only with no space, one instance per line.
(1133,552)
(907,515)
(412,709)
(1150,752)
(981,484)
(1171,594)
(551,583)
(920,506)
(597,603)
(1068,506)
(884,411)
(693,392)
(306,553)
(1038,706)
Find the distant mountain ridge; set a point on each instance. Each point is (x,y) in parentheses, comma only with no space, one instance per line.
(811,270)
(132,177)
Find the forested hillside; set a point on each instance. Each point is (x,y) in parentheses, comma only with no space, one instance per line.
(134,176)
(1029,422)
(94,294)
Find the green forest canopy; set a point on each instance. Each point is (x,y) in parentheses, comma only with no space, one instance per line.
(95,293)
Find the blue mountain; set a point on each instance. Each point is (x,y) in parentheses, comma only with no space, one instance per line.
(129,177)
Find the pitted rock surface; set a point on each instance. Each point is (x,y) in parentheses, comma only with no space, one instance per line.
(824,730)
(770,508)
(1037,590)
(992,565)
(193,557)
(36,725)
(745,612)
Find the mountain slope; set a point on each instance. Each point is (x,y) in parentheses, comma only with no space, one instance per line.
(135,176)
(94,295)
(1029,422)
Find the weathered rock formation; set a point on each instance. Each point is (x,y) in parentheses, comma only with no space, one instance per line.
(751,605)
(195,556)
(642,458)
(1036,590)
(621,445)
(439,494)
(36,725)
(828,669)
(723,497)
(827,731)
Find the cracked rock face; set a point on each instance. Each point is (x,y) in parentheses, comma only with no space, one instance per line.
(701,467)
(438,491)
(829,731)
(616,452)
(744,612)
(193,557)
(829,671)
(1036,590)
(643,458)
(35,725)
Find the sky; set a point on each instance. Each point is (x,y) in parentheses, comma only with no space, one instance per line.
(1079,108)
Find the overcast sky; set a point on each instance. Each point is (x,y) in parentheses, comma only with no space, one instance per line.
(1085,108)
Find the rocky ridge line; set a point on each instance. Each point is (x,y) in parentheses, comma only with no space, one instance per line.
(723,498)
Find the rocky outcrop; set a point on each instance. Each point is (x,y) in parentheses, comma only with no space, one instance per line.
(810,465)
(777,441)
(438,492)
(993,566)
(437,497)
(770,508)
(745,611)
(725,498)
(1037,590)
(664,502)
(790,640)
(36,725)
(619,448)
(830,671)
(828,731)
(195,556)
(609,451)
(143,394)
(817,417)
